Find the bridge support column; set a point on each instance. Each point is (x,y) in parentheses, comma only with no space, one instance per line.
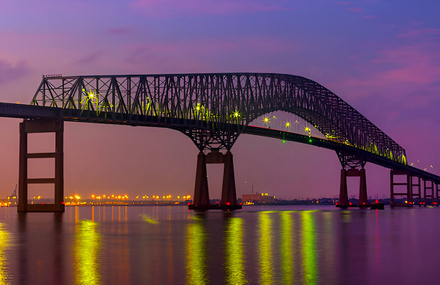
(201,193)
(437,189)
(343,195)
(41,126)
(363,199)
(229,196)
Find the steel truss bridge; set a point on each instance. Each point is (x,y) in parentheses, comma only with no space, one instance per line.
(213,110)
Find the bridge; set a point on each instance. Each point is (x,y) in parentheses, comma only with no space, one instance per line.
(213,110)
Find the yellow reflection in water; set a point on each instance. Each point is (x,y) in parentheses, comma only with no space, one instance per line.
(308,247)
(87,246)
(234,252)
(196,271)
(265,248)
(287,241)
(5,277)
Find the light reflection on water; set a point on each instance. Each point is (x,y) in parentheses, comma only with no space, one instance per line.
(287,249)
(234,253)
(86,250)
(170,245)
(308,247)
(265,233)
(5,276)
(196,253)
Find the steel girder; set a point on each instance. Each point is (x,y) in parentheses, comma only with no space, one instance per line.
(213,109)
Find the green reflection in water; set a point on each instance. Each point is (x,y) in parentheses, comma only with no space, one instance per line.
(5,277)
(308,247)
(87,246)
(234,252)
(266,270)
(196,271)
(286,247)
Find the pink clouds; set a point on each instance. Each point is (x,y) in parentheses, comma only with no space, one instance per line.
(420,32)
(415,64)
(206,7)
(9,71)
(120,31)
(355,9)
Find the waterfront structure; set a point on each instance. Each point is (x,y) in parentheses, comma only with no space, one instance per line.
(258,198)
(213,110)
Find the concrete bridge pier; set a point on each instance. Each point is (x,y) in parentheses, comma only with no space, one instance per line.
(404,188)
(343,194)
(201,193)
(41,126)
(229,196)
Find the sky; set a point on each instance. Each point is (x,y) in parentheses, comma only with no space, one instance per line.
(381,57)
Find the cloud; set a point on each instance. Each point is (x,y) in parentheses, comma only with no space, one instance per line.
(120,31)
(420,32)
(90,58)
(355,9)
(206,7)
(400,84)
(10,72)
(208,55)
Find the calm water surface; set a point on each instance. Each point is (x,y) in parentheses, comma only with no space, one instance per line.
(257,245)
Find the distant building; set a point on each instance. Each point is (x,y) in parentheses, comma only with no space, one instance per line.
(258,198)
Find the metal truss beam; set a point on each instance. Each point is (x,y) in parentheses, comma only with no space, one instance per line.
(208,102)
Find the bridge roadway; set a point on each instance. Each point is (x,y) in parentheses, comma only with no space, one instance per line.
(37,112)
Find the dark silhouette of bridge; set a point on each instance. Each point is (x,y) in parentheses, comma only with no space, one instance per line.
(213,110)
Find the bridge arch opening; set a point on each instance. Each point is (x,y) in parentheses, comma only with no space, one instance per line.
(287,122)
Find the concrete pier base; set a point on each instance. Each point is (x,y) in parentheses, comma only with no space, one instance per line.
(343,193)
(201,193)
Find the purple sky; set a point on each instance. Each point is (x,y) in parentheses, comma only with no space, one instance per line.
(381,57)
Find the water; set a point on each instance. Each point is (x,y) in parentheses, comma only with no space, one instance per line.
(258,245)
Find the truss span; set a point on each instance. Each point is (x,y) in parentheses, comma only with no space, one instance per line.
(213,109)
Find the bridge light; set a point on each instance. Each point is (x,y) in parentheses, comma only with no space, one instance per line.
(287,125)
(284,141)
(266,120)
(236,114)
(310,140)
